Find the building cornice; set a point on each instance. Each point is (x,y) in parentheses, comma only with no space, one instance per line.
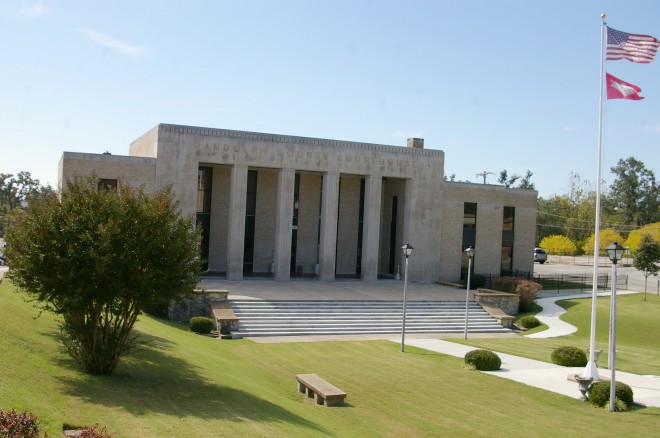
(291,139)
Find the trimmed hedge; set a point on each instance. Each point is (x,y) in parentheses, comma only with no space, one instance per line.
(483,360)
(569,356)
(599,394)
(529,321)
(201,324)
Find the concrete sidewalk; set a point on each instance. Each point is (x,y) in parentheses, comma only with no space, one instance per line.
(548,376)
(551,313)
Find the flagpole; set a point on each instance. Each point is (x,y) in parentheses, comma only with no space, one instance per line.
(591,370)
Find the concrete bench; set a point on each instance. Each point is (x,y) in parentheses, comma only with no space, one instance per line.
(325,392)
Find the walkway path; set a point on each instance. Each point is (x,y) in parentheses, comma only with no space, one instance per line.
(551,313)
(551,377)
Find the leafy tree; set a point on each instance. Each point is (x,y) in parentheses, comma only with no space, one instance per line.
(635,236)
(647,258)
(526,181)
(571,214)
(509,181)
(607,237)
(634,193)
(558,245)
(16,191)
(98,257)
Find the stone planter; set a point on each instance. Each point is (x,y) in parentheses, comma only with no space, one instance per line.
(198,303)
(509,303)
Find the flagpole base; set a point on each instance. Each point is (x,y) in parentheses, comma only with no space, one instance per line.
(591,371)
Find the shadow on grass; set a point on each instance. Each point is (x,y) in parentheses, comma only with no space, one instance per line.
(152,381)
(567,304)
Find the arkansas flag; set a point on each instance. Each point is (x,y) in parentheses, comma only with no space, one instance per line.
(618,89)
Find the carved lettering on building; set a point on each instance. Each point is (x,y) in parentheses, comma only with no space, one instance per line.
(229,154)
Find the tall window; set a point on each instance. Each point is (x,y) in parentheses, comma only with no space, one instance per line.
(508,223)
(393,248)
(250,222)
(204,180)
(358,262)
(469,231)
(294,230)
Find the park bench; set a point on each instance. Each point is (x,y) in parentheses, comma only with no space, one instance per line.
(325,393)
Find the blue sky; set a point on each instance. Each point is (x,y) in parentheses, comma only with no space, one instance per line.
(495,84)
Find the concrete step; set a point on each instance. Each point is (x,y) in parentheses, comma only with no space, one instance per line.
(305,318)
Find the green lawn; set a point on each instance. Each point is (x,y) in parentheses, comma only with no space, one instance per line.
(184,385)
(638,334)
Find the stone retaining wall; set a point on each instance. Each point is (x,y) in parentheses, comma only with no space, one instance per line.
(509,303)
(196,304)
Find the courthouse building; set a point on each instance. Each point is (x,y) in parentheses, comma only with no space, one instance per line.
(287,206)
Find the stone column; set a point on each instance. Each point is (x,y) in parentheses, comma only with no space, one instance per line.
(371,227)
(236,229)
(283,223)
(329,210)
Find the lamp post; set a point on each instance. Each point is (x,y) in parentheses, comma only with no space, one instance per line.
(615,253)
(407,250)
(470,254)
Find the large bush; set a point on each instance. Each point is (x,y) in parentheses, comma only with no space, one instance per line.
(607,237)
(483,360)
(635,236)
(99,257)
(599,394)
(569,356)
(201,324)
(525,289)
(558,245)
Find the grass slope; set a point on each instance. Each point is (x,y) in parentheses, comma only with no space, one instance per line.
(637,341)
(184,385)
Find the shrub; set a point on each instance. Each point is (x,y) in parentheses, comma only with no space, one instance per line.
(201,324)
(92,432)
(529,321)
(483,360)
(569,356)
(505,284)
(599,394)
(525,289)
(18,424)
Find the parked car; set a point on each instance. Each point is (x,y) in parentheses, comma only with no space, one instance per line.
(540,255)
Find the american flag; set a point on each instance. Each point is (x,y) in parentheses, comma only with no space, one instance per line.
(631,46)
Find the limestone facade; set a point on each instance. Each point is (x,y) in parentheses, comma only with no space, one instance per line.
(286,206)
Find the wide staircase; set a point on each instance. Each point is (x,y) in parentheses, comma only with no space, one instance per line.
(305,318)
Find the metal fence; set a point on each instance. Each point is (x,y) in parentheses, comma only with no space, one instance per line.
(557,283)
